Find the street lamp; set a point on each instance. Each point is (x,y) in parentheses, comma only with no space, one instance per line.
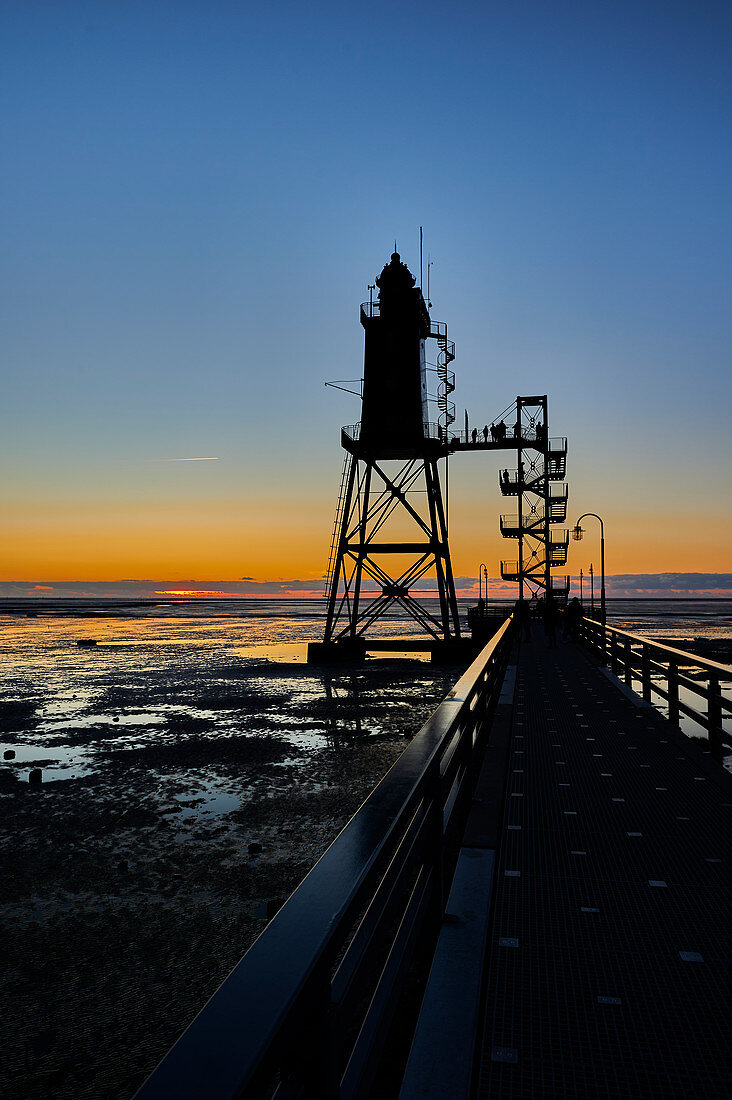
(482,572)
(577,534)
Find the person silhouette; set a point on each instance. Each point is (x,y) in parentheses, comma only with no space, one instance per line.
(524,618)
(485,433)
(573,616)
(474,435)
(550,623)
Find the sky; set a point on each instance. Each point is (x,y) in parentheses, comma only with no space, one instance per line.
(195,196)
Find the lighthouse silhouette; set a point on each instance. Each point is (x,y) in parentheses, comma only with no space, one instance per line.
(390,532)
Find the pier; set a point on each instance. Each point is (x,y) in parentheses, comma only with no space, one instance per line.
(533,902)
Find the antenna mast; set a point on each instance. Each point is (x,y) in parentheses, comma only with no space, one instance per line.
(420,258)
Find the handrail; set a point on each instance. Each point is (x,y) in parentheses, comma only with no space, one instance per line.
(555,446)
(430,430)
(636,657)
(305,1004)
(723,671)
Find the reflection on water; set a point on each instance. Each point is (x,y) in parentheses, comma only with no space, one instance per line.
(186,692)
(159,677)
(56,763)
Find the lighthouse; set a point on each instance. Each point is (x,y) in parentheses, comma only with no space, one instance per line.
(390,548)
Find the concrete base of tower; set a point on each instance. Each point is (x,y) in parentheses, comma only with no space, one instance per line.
(345,651)
(455,651)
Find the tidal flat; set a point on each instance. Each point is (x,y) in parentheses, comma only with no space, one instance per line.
(187,789)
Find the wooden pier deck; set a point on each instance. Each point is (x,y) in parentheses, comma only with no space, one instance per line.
(534,902)
(607,967)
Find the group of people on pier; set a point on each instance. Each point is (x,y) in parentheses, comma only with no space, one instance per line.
(547,612)
(500,432)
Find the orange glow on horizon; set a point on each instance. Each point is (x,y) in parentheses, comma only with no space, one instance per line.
(172,542)
(203,593)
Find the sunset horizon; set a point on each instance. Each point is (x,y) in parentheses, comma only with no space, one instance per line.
(619,586)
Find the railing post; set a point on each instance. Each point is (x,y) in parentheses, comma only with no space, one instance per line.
(475,736)
(714,717)
(436,837)
(604,644)
(628,649)
(646,672)
(614,660)
(673,691)
(310,1062)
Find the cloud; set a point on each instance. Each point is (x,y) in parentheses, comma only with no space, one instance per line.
(620,586)
(670,582)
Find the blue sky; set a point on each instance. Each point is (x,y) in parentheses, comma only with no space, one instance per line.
(195,196)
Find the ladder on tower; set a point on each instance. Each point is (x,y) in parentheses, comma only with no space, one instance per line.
(337,525)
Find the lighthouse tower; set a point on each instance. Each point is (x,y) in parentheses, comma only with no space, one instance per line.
(390,532)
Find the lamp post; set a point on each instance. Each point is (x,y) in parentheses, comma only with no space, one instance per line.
(482,573)
(577,534)
(582,602)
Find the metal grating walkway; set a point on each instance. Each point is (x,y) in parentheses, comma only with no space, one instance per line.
(609,968)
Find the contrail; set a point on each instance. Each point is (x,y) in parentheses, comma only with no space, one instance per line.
(213,458)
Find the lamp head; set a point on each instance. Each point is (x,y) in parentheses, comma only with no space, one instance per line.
(577,533)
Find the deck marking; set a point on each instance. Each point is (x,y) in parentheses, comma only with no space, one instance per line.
(508,941)
(691,956)
(504,1054)
(656,882)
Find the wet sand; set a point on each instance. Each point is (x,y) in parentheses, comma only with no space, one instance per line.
(132,889)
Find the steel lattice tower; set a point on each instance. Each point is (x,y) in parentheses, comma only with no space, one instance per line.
(390,528)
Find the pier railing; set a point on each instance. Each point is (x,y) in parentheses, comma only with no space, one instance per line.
(308,1010)
(677,677)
